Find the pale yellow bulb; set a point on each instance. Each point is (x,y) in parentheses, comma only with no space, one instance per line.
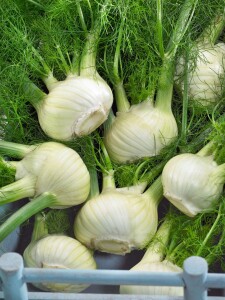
(205,78)
(141,132)
(59,252)
(57,169)
(75,107)
(162,266)
(116,222)
(192,183)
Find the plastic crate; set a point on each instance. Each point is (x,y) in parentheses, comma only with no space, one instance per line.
(195,279)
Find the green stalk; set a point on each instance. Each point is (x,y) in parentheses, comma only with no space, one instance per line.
(213,31)
(106,159)
(8,165)
(160,28)
(111,118)
(183,22)
(63,60)
(108,175)
(155,191)
(14,149)
(33,93)
(50,81)
(152,174)
(75,64)
(156,250)
(156,170)
(24,213)
(20,189)
(173,250)
(211,257)
(122,102)
(117,54)
(108,181)
(219,173)
(91,12)
(210,233)
(46,68)
(81,16)
(185,102)
(94,189)
(208,149)
(40,229)
(165,84)
(88,59)
(106,167)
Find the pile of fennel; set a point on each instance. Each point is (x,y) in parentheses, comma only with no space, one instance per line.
(67,145)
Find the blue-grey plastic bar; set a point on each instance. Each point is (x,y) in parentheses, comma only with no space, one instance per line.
(194,278)
(215,281)
(107,277)
(195,273)
(11,273)
(66,296)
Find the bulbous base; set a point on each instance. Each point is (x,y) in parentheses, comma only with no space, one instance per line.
(111,245)
(74,107)
(141,132)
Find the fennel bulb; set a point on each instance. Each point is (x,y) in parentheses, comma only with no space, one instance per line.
(140,132)
(59,252)
(154,261)
(49,174)
(78,99)
(193,183)
(205,79)
(118,220)
(157,266)
(56,251)
(143,130)
(57,169)
(74,107)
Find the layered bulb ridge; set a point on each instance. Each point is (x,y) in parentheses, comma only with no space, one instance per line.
(141,132)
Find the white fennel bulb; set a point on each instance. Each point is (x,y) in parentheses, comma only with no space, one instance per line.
(56,169)
(142,131)
(79,104)
(49,174)
(74,107)
(118,221)
(154,261)
(193,183)
(59,252)
(205,79)
(158,266)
